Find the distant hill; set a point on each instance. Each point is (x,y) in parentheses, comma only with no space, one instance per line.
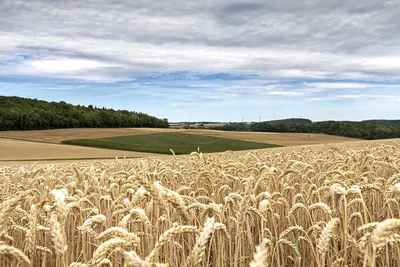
(294,120)
(362,130)
(244,126)
(370,129)
(197,122)
(234,126)
(18,113)
(384,122)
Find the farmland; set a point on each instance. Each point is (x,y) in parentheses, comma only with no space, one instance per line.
(283,139)
(324,205)
(45,145)
(58,135)
(14,150)
(163,143)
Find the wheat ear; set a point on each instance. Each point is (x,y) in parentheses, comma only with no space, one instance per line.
(325,238)
(14,253)
(199,248)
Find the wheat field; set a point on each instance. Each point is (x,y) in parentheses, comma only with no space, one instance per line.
(310,207)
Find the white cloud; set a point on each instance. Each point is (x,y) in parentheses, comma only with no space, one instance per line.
(340,85)
(316,99)
(61,65)
(285,93)
(370,96)
(385,62)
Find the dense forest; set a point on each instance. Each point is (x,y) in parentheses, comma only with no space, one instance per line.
(246,127)
(372,129)
(385,122)
(234,126)
(294,120)
(18,113)
(362,130)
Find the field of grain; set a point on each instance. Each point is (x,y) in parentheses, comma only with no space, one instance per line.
(313,206)
(11,150)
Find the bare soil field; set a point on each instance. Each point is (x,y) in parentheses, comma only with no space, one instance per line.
(283,139)
(16,150)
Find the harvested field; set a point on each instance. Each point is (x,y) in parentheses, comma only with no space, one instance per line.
(315,206)
(282,139)
(13,150)
(58,135)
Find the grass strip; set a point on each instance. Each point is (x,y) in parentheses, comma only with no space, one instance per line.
(161,143)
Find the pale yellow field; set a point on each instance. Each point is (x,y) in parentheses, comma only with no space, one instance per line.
(58,135)
(283,139)
(14,150)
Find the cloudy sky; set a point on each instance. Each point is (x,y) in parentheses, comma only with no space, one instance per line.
(207,60)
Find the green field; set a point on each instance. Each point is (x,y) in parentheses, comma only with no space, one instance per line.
(161,143)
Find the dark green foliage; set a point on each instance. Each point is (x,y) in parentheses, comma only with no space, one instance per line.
(385,122)
(18,113)
(294,120)
(162,143)
(246,127)
(372,129)
(234,126)
(362,130)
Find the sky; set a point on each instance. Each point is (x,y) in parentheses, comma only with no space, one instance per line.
(218,60)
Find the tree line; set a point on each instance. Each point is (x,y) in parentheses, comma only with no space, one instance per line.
(18,113)
(385,122)
(363,130)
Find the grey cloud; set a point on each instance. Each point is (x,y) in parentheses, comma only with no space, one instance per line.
(43,51)
(243,7)
(143,37)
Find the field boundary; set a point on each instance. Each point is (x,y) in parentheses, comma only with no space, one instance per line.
(61,159)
